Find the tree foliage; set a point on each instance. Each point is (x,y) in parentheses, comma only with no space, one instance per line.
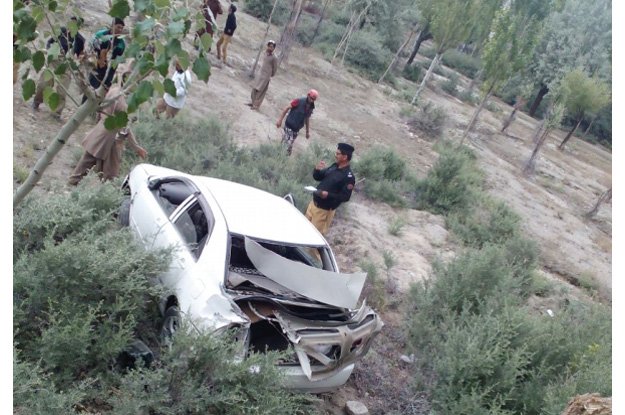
(584,94)
(153,42)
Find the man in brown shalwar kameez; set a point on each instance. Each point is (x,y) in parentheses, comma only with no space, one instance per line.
(267,70)
(104,148)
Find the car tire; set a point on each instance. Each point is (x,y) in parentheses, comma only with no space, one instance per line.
(171,323)
(123,215)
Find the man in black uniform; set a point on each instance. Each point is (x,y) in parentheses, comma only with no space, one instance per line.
(337,183)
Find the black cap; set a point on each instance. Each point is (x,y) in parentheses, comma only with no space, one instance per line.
(345,149)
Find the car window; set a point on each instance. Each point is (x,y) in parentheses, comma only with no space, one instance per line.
(194,225)
(171,194)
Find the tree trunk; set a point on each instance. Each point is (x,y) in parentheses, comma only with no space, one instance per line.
(539,97)
(426,77)
(262,43)
(423,36)
(605,197)
(399,51)
(518,104)
(587,130)
(286,39)
(476,113)
(568,136)
(346,34)
(353,22)
(318,26)
(539,140)
(55,146)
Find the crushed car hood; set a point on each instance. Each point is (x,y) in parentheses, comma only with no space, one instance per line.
(328,287)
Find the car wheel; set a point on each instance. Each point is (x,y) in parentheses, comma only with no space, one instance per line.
(123,215)
(171,323)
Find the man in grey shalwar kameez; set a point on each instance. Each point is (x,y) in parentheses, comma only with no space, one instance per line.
(267,70)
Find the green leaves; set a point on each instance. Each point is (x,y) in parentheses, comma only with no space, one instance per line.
(38,60)
(169,87)
(206,41)
(201,68)
(51,98)
(120,9)
(142,93)
(26,28)
(116,121)
(28,89)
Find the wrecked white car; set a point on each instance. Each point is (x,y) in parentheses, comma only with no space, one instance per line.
(247,260)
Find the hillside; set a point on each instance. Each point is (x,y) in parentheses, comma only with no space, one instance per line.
(350,108)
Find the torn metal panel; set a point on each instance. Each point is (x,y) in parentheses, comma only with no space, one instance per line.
(346,343)
(236,279)
(333,288)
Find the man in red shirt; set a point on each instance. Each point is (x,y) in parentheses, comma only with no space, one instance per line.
(299,111)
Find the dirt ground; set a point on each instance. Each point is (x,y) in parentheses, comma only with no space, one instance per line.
(350,108)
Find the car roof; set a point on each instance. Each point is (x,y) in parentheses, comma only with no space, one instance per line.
(259,214)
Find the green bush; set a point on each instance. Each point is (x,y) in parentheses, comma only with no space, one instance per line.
(467,65)
(451,184)
(468,97)
(262,8)
(386,176)
(487,222)
(412,73)
(450,85)
(487,353)
(199,376)
(381,163)
(366,53)
(428,118)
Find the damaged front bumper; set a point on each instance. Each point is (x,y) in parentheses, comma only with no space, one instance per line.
(326,349)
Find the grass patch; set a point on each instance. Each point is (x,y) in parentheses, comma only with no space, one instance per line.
(395,227)
(20,173)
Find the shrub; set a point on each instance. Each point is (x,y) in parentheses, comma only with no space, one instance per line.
(412,73)
(41,220)
(468,96)
(366,53)
(451,84)
(451,184)
(429,118)
(381,163)
(386,176)
(488,354)
(466,64)
(487,222)
(262,8)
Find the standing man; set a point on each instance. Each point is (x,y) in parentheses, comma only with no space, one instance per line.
(226,36)
(337,183)
(267,71)
(105,41)
(104,148)
(299,112)
(171,105)
(210,10)
(66,42)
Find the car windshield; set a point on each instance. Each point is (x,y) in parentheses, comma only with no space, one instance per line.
(317,257)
